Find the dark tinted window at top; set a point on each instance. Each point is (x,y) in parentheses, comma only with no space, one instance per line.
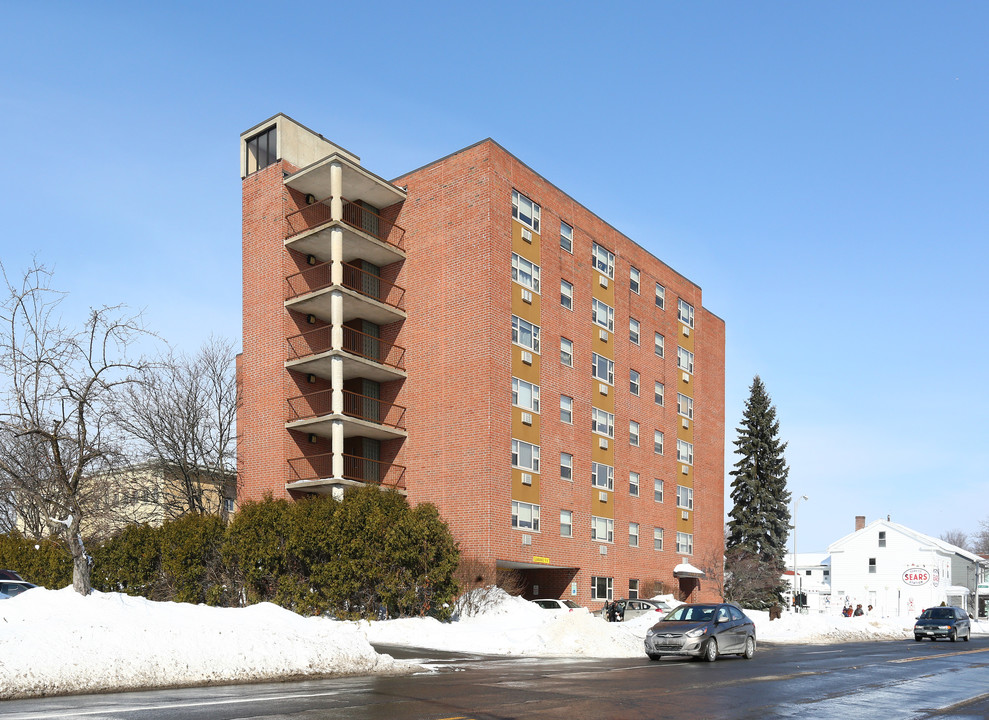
(261,150)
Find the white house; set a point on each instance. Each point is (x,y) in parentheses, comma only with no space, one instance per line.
(810,580)
(900,571)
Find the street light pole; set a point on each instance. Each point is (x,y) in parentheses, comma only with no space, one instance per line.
(796,590)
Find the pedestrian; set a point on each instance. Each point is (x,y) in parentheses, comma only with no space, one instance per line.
(869,610)
(858,610)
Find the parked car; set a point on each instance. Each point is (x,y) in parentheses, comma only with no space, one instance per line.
(10,575)
(945,621)
(10,588)
(704,630)
(558,605)
(627,609)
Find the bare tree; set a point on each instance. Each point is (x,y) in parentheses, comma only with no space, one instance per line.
(183,413)
(58,433)
(957,538)
(980,542)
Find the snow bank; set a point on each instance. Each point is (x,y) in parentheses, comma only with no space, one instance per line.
(59,642)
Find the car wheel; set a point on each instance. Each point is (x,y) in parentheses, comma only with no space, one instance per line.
(918,638)
(654,656)
(953,635)
(749,648)
(968,635)
(711,650)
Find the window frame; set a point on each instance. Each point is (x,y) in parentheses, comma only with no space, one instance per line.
(634,278)
(599,582)
(659,393)
(605,483)
(528,279)
(564,353)
(568,524)
(568,466)
(685,497)
(659,345)
(634,382)
(660,296)
(604,365)
(634,331)
(685,452)
(271,154)
(609,529)
(517,456)
(685,360)
(633,483)
(535,210)
(601,307)
(633,433)
(534,511)
(566,238)
(566,294)
(566,408)
(685,543)
(658,442)
(517,334)
(685,310)
(604,264)
(519,390)
(603,418)
(631,535)
(658,490)
(685,401)
(657,538)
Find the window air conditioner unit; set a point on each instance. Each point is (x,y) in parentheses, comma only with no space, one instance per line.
(527,539)
(527,235)
(686,331)
(603,443)
(603,334)
(526,479)
(686,423)
(686,377)
(603,549)
(685,469)
(527,357)
(604,280)
(602,388)
(526,418)
(685,515)
(526,296)
(602,496)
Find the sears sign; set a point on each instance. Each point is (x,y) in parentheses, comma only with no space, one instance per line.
(916,576)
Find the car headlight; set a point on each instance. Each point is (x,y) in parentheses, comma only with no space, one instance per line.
(696,632)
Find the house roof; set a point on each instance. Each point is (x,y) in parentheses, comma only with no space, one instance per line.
(920,537)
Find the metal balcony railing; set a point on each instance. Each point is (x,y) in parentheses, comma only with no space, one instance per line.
(361,281)
(368,221)
(359,469)
(355,405)
(354,342)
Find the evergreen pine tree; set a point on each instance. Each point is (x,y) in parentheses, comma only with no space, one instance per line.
(755,546)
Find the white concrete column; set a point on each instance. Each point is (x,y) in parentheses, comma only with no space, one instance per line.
(336,444)
(336,320)
(337,492)
(336,191)
(336,385)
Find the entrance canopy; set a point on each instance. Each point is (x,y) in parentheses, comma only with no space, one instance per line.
(686,570)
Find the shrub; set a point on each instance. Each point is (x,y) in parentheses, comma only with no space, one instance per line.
(42,562)
(130,562)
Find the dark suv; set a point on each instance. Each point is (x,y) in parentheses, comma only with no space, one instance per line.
(945,621)
(10,575)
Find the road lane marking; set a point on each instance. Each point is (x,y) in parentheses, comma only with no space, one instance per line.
(941,655)
(144,708)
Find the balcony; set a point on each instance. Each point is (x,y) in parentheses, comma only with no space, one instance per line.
(316,471)
(363,355)
(366,234)
(362,416)
(367,295)
(358,182)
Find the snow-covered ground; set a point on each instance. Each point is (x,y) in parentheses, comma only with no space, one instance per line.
(57,642)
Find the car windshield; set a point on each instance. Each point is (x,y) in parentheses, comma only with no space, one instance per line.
(571,604)
(939,613)
(692,613)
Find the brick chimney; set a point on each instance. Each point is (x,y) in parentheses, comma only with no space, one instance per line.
(859,522)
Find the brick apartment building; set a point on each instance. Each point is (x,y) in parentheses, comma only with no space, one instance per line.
(472,336)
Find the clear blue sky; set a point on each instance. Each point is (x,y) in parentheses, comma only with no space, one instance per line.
(818,168)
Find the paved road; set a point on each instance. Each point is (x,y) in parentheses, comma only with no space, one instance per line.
(884,680)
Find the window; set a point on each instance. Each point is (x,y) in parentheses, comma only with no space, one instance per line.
(566,352)
(566,467)
(633,589)
(633,331)
(262,150)
(685,452)
(633,534)
(524,210)
(633,280)
(566,294)
(602,368)
(602,529)
(657,538)
(660,393)
(525,456)
(657,490)
(685,360)
(872,565)
(525,516)
(602,422)
(228,505)
(660,296)
(602,476)
(566,523)
(685,406)
(827,574)
(882,538)
(660,345)
(603,260)
(566,237)
(525,273)
(526,334)
(685,543)
(601,588)
(566,409)
(685,312)
(525,395)
(657,442)
(603,314)
(633,382)
(685,497)
(633,433)
(633,484)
